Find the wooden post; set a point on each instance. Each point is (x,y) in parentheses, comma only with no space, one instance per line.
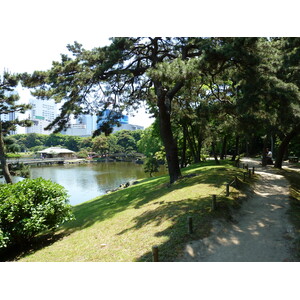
(236,182)
(190,225)
(227,189)
(249,173)
(214,202)
(243,166)
(253,169)
(155,253)
(244,176)
(247,167)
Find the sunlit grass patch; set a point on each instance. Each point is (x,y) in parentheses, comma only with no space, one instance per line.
(124,225)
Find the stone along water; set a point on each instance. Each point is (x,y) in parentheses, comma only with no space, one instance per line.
(87,181)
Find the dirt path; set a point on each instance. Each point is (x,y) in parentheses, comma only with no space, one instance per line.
(261,231)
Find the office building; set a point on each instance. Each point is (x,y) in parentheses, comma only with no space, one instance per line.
(41,114)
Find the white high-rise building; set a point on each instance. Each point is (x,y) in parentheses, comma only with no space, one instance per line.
(41,114)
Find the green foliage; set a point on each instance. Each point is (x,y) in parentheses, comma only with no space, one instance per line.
(86,143)
(13,155)
(37,148)
(100,144)
(20,170)
(30,207)
(126,140)
(150,142)
(72,142)
(151,165)
(82,153)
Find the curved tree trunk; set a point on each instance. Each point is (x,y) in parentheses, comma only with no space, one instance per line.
(168,140)
(283,146)
(224,145)
(236,149)
(213,147)
(4,165)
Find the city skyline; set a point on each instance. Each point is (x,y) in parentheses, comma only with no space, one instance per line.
(45,111)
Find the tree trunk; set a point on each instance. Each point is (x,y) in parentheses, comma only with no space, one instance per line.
(264,154)
(213,147)
(284,145)
(199,147)
(224,144)
(236,150)
(183,155)
(191,146)
(168,140)
(4,165)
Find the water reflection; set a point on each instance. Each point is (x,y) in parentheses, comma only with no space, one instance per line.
(87,181)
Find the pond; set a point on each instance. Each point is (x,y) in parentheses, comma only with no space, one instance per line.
(86,181)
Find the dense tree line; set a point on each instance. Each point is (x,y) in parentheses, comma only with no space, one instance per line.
(123,141)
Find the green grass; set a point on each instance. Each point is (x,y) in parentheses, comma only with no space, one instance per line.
(124,225)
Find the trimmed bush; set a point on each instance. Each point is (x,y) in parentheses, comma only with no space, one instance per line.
(31,207)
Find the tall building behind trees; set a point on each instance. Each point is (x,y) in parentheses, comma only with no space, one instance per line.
(41,114)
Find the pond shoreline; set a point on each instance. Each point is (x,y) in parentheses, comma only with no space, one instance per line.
(64,161)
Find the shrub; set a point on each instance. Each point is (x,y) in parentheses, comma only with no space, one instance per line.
(151,165)
(82,154)
(13,155)
(30,207)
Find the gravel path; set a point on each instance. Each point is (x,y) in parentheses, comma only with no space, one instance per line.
(261,231)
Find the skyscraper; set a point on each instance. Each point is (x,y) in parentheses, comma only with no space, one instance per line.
(41,114)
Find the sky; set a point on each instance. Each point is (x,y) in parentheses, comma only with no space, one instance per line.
(35,32)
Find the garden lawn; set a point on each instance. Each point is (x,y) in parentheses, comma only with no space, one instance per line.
(124,225)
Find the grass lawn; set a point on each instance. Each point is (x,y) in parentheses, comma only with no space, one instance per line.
(124,225)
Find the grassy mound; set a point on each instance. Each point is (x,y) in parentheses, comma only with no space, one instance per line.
(124,225)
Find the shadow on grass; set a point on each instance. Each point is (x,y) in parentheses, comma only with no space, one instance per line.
(176,212)
(148,190)
(178,233)
(14,253)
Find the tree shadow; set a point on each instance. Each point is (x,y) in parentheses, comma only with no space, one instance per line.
(16,252)
(178,232)
(148,190)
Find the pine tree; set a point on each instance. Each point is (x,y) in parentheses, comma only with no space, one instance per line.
(8,99)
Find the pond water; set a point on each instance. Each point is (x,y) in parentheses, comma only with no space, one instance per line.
(86,181)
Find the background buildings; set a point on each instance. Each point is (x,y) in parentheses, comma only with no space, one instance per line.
(43,113)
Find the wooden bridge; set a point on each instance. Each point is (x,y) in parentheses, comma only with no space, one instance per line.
(45,161)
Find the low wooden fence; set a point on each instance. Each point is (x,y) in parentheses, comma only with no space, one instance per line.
(247,174)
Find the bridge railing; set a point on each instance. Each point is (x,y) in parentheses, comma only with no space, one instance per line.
(32,160)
